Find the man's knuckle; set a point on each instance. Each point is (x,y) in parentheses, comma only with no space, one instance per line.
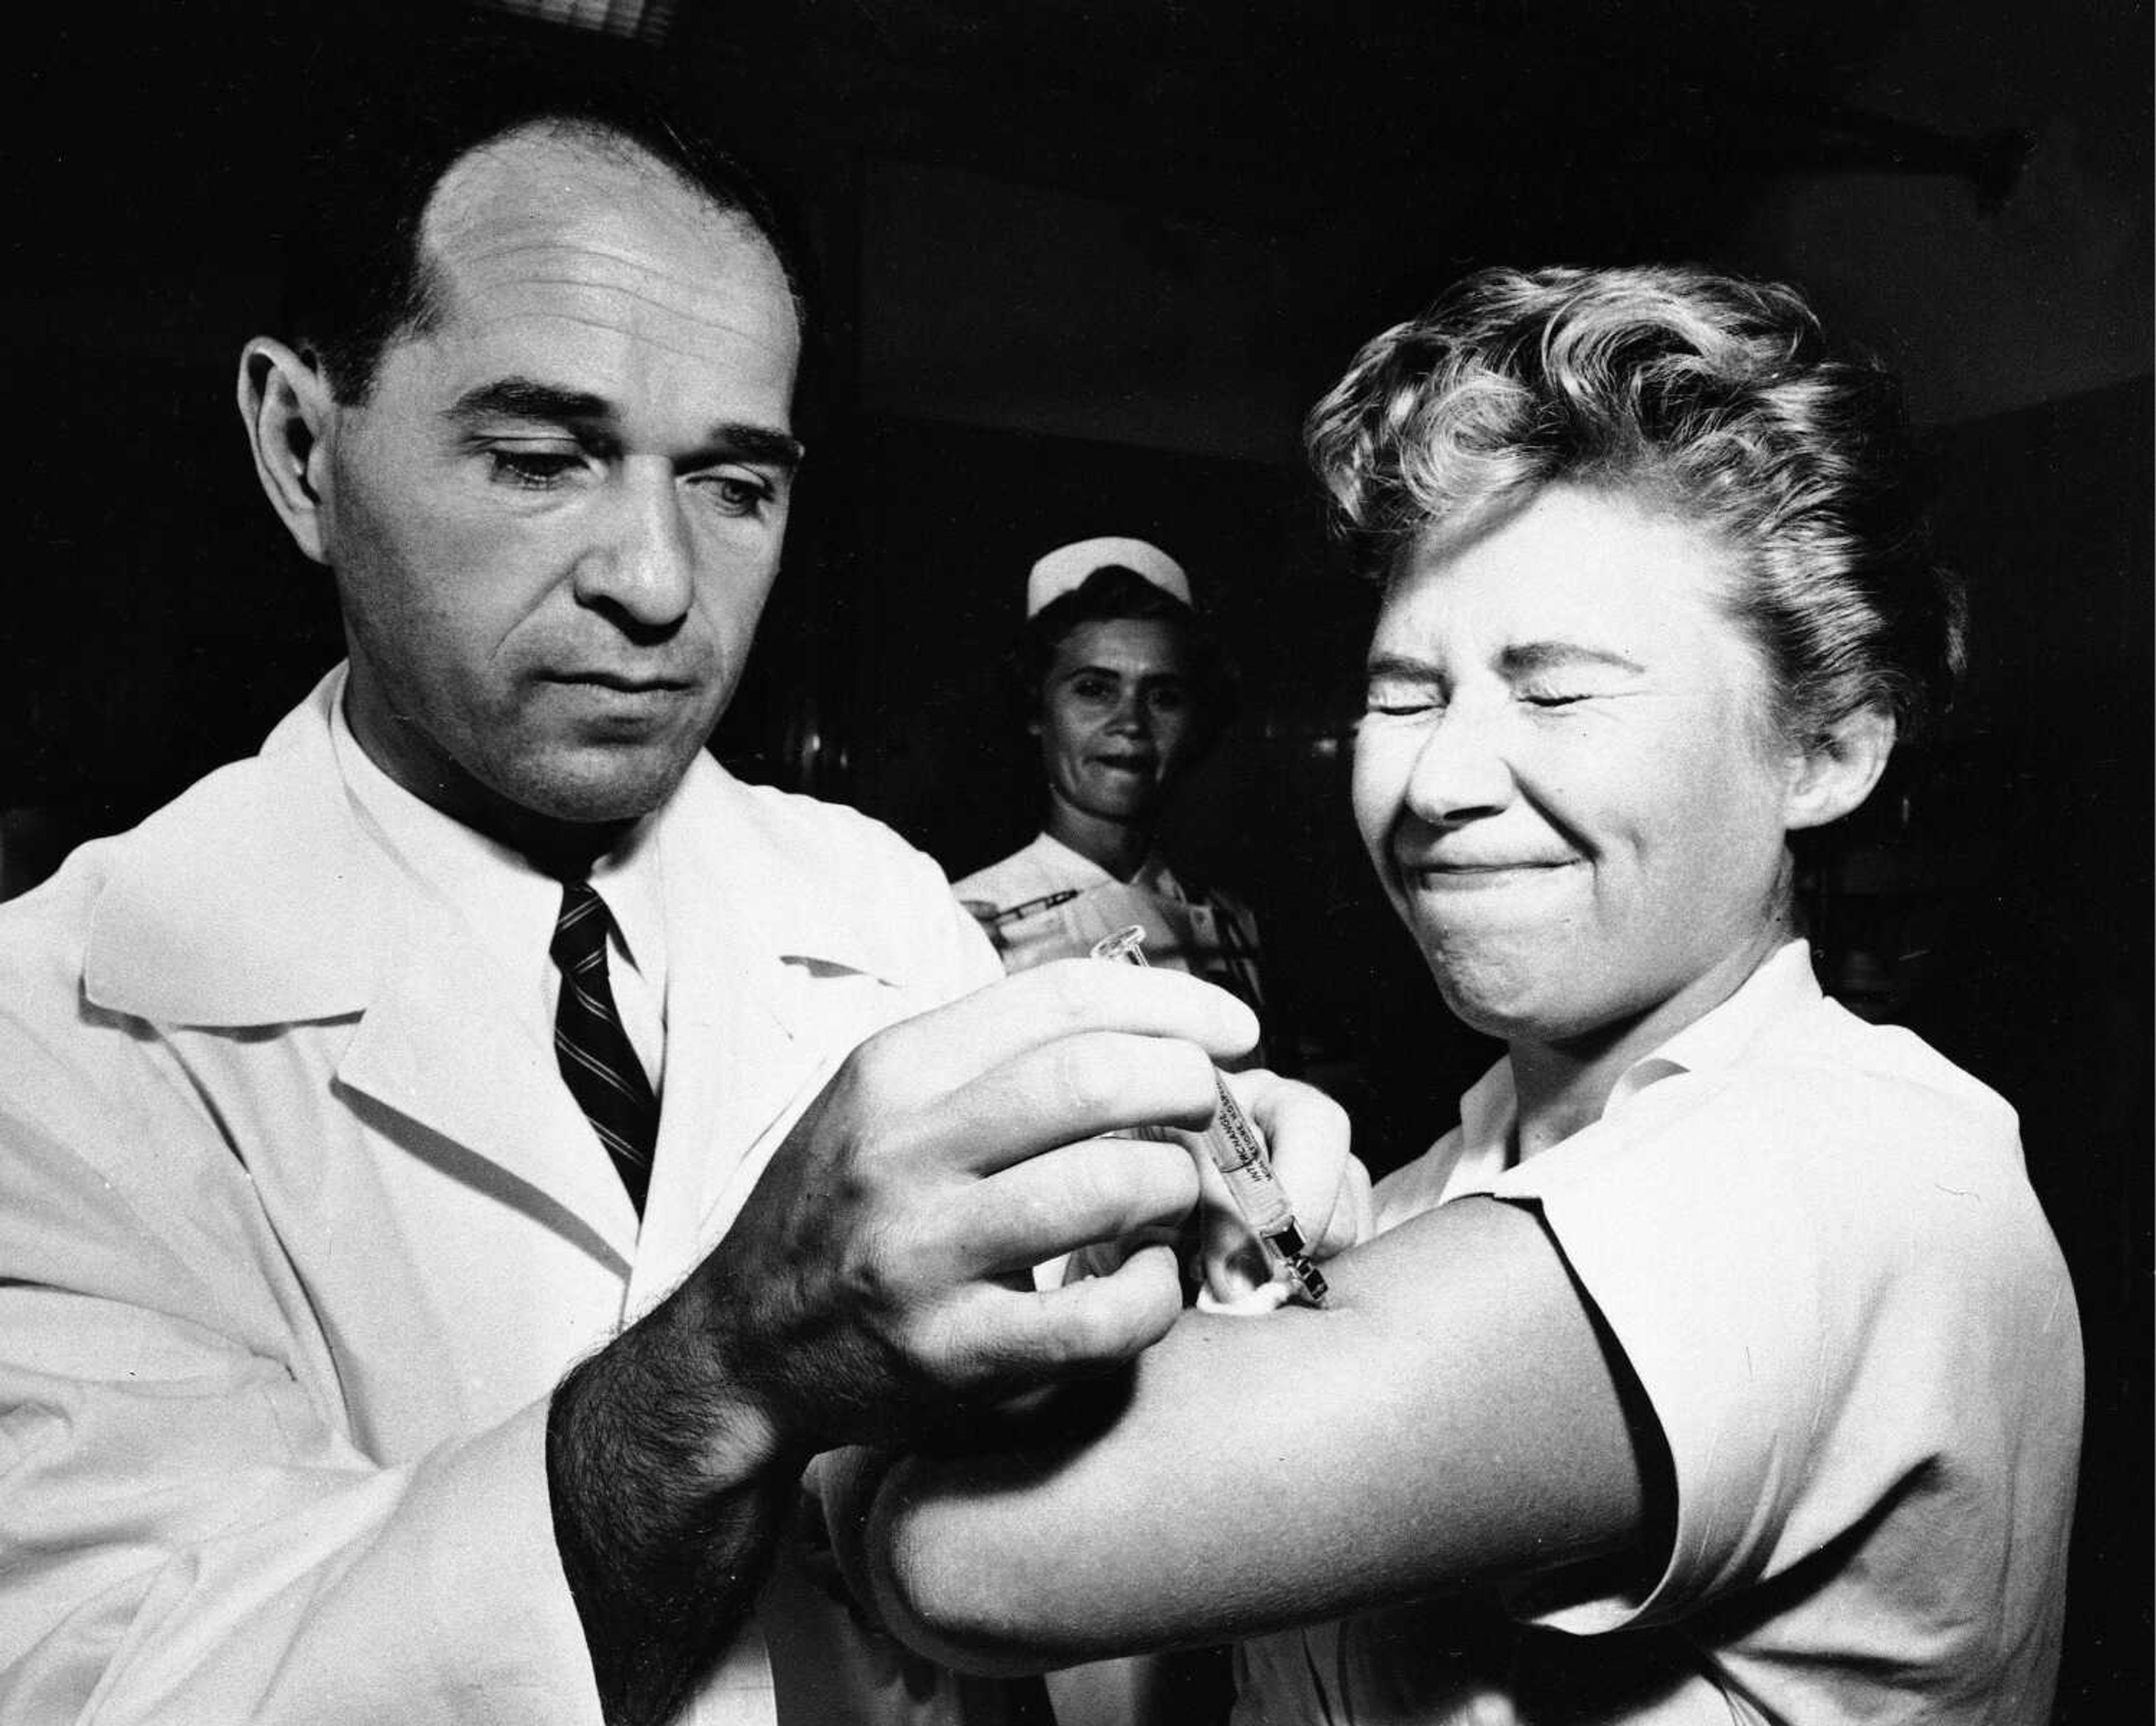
(871,1066)
(948,1358)
(1085,1182)
(1078,1337)
(878,1274)
(1071,991)
(1082,1081)
(1099,1330)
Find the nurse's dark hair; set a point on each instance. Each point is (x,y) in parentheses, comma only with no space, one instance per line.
(355,277)
(1701,397)
(1113,592)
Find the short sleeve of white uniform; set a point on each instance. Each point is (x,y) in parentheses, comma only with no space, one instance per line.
(1825,1265)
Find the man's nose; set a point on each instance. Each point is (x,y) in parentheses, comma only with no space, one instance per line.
(1462,769)
(641,564)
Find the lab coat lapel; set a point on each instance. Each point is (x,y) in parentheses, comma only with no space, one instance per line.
(258,899)
(737,1051)
(438,1045)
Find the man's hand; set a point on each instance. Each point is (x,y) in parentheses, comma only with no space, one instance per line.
(877,1281)
(876,1287)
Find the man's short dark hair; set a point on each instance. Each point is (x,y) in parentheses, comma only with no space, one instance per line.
(356,282)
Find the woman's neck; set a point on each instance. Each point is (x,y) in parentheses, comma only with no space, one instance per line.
(1119,847)
(1563,1084)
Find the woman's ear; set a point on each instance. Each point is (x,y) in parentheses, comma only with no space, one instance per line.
(285,402)
(1837,772)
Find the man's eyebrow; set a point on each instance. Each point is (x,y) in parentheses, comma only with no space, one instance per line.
(528,398)
(736,441)
(555,404)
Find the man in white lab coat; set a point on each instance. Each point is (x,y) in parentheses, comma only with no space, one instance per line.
(328,1143)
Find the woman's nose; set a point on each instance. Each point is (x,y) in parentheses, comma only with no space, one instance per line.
(1462,769)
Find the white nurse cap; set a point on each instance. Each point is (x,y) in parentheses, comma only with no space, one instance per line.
(1067,567)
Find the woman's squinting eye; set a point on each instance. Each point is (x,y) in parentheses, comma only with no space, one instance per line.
(1397,701)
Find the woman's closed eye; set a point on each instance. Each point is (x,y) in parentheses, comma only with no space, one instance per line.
(1402,698)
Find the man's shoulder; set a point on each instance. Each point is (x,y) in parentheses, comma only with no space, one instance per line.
(233,811)
(809,834)
(225,810)
(251,883)
(818,880)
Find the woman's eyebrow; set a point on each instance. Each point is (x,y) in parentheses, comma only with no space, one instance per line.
(1529,657)
(1397,665)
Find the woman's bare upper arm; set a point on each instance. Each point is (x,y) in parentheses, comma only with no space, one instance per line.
(1455,1416)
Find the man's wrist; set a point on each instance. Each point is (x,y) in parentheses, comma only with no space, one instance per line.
(668,1491)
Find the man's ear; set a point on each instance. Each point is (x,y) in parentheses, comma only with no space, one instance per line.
(285,404)
(1838,771)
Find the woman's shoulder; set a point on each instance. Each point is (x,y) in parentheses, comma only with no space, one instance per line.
(1855,1130)
(1878,1082)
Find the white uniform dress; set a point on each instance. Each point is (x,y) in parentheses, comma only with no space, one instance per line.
(1816,1243)
(1047,901)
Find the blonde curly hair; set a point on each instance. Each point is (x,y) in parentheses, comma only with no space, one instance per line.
(1703,396)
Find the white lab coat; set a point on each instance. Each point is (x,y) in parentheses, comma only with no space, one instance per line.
(298,1226)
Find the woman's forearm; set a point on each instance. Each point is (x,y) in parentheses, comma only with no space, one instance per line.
(1452,1418)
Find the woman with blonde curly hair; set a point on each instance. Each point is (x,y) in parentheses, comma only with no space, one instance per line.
(1719,1365)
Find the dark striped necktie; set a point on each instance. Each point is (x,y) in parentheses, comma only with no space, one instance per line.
(600,1067)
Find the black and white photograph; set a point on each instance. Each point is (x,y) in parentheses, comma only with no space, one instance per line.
(1093,863)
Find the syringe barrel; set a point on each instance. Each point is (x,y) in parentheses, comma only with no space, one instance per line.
(1240,1154)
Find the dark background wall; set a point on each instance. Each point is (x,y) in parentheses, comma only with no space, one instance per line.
(1084,264)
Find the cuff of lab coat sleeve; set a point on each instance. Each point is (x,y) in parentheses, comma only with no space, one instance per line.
(465,1596)
(497,1589)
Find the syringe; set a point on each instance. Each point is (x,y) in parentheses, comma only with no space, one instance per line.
(1240,1154)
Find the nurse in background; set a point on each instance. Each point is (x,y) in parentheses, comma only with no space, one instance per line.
(1129,689)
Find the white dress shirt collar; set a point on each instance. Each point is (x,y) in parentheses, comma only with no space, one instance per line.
(511,906)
